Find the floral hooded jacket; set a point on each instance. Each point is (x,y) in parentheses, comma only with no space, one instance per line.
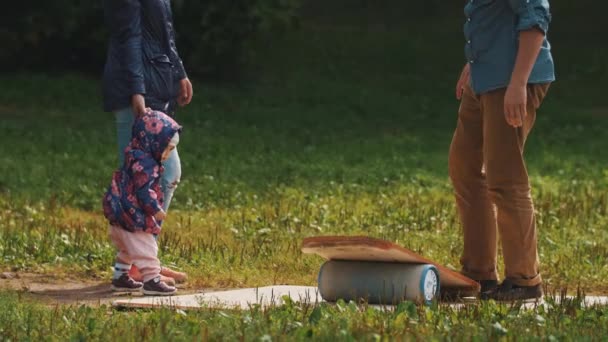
(134,195)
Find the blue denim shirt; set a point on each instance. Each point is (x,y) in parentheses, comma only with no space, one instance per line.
(492,39)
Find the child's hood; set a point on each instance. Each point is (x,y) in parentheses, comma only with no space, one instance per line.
(152,133)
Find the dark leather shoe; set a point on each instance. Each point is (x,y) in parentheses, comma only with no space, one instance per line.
(508,291)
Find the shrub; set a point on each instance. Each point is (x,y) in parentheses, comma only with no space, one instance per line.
(213,35)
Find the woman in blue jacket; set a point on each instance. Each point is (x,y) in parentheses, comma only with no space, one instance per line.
(144,71)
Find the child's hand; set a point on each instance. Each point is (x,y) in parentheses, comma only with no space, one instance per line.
(161,215)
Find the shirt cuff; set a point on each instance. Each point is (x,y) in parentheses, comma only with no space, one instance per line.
(181,71)
(533,19)
(138,87)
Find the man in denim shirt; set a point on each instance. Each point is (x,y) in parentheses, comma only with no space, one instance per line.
(508,71)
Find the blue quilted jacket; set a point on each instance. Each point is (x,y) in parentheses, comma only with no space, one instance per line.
(134,195)
(142,57)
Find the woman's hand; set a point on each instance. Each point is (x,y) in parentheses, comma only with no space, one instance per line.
(185,92)
(138,104)
(463,81)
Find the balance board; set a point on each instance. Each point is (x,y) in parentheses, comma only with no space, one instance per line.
(379,271)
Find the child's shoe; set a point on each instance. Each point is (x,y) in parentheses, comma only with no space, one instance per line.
(179,277)
(137,276)
(125,284)
(156,287)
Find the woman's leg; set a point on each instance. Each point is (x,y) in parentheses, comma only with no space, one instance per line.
(173,169)
(124,126)
(169,181)
(170,178)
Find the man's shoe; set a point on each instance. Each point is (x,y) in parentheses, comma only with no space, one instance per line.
(488,285)
(156,287)
(507,292)
(125,284)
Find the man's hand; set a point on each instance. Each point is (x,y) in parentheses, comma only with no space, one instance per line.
(463,81)
(138,104)
(161,215)
(185,92)
(530,42)
(516,104)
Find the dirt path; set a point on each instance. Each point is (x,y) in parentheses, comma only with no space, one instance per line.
(52,290)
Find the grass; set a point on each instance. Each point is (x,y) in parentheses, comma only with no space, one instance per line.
(341,131)
(23,320)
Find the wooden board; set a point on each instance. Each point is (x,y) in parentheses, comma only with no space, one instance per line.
(268,296)
(362,248)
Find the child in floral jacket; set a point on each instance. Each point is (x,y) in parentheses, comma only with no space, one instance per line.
(133,204)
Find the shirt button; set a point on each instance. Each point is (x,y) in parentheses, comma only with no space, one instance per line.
(471,61)
(468,42)
(468,19)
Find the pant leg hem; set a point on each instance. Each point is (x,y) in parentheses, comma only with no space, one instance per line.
(479,276)
(519,281)
(147,278)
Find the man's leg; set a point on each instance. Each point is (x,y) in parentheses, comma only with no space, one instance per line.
(509,187)
(476,212)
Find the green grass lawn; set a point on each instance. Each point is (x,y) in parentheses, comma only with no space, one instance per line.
(23,320)
(337,131)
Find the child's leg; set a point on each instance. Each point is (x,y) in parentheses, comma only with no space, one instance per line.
(121,282)
(123,260)
(144,250)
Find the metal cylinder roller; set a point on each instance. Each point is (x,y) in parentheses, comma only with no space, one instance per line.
(378,282)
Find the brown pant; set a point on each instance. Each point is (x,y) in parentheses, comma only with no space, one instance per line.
(492,190)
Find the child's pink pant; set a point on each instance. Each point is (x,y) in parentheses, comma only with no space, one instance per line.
(139,249)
